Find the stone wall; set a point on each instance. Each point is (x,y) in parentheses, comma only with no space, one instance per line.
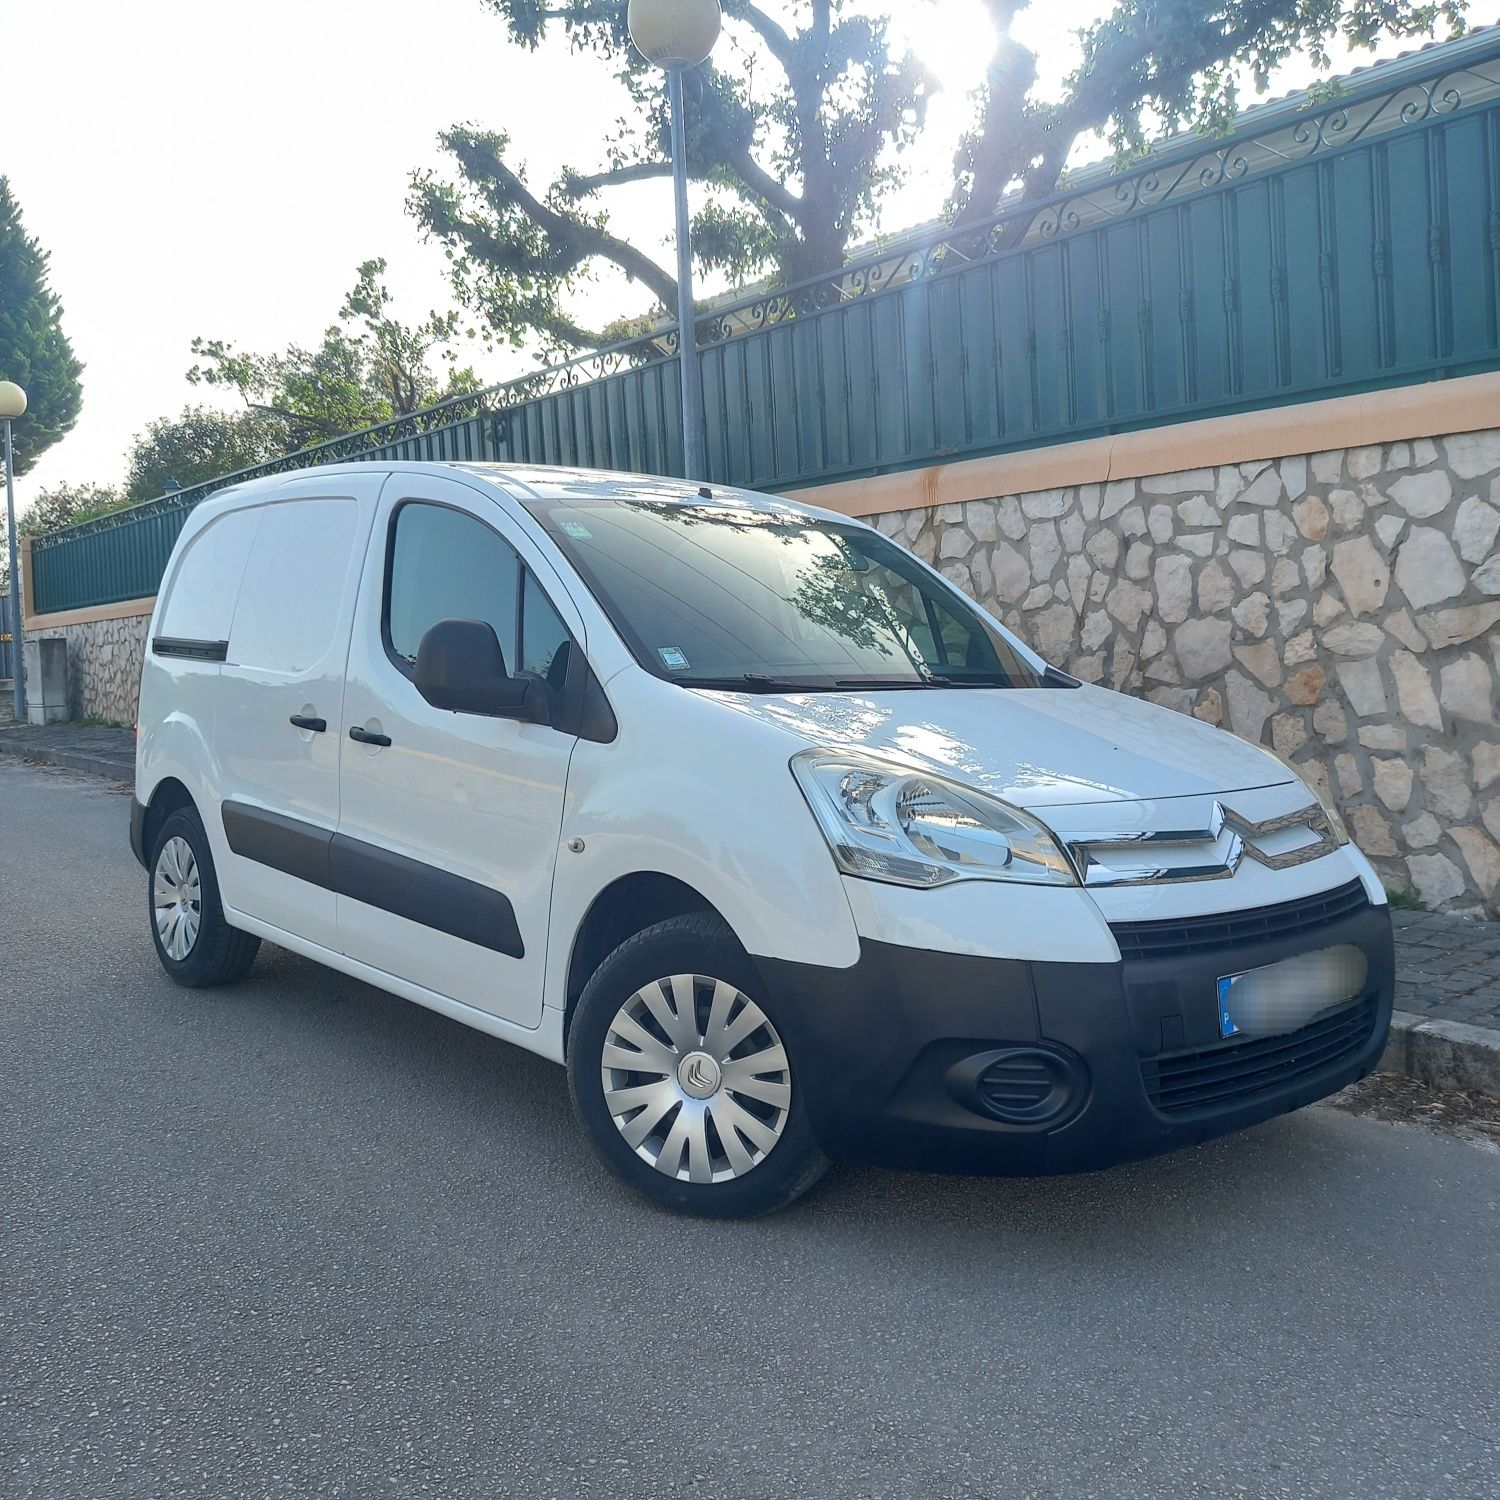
(104,665)
(1342,607)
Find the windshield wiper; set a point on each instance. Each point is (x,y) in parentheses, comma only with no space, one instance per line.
(758,682)
(881,684)
(927,680)
(971,679)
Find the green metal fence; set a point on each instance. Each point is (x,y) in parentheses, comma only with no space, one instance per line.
(1316,252)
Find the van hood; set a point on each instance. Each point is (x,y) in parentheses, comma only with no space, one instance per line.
(1031,747)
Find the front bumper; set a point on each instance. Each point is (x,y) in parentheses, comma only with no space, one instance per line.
(909,1058)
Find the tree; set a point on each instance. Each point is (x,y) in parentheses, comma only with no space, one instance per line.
(1151,67)
(795,170)
(66,504)
(34,351)
(368,368)
(796,164)
(199,445)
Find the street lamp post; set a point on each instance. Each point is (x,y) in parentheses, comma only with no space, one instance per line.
(13,404)
(677,35)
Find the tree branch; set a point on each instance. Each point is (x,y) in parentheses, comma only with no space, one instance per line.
(577,240)
(586,184)
(294,418)
(772,32)
(750,172)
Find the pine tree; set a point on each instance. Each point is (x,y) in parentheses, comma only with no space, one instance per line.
(34,350)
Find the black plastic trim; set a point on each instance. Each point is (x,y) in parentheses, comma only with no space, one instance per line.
(406,887)
(173,645)
(270,838)
(422,893)
(1178,937)
(138,830)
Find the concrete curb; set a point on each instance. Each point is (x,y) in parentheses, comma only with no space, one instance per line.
(1444,1054)
(72,760)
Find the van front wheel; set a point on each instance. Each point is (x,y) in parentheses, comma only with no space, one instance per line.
(682,1078)
(196,946)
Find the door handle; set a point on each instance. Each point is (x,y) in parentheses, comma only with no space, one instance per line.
(367,737)
(306,721)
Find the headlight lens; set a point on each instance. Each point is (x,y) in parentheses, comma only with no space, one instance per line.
(1335,818)
(885,822)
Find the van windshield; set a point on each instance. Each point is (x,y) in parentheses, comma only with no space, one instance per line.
(714,595)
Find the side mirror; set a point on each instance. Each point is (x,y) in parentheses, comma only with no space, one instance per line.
(461,667)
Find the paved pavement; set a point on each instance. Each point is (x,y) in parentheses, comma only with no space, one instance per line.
(301,1238)
(98,749)
(1448,967)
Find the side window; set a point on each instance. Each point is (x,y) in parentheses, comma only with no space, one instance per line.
(545,642)
(962,644)
(294,584)
(200,604)
(446,565)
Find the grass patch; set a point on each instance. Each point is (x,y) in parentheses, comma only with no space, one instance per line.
(1404,900)
(94,721)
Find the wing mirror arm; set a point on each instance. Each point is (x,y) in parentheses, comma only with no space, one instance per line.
(525,698)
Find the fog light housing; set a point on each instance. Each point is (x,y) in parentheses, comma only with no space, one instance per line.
(1022,1085)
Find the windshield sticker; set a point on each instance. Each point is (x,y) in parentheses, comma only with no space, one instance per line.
(577,530)
(673,658)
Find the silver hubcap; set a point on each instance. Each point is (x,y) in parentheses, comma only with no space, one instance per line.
(177,897)
(696,1078)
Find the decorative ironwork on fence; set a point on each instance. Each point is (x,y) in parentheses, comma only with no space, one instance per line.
(1351,244)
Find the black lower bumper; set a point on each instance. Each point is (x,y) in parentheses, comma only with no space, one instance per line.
(944,1062)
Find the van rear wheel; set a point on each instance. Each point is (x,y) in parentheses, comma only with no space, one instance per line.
(196,946)
(682,1077)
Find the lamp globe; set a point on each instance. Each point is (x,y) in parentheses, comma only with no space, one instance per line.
(674,33)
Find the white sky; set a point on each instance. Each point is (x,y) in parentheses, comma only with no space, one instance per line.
(202,167)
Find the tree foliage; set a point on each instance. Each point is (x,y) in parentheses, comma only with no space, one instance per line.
(368,368)
(797,126)
(62,505)
(1152,67)
(796,164)
(34,350)
(202,444)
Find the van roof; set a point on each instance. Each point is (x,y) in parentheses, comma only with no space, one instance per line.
(541,483)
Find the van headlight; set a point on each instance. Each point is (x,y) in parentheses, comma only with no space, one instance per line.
(887,822)
(1334,816)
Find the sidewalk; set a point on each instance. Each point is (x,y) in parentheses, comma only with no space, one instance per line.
(1446,1031)
(97,750)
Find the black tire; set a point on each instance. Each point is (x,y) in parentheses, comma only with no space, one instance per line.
(219,954)
(698,944)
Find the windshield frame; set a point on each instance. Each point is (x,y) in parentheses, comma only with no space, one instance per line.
(924,676)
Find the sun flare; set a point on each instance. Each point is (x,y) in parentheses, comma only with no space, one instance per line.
(955,39)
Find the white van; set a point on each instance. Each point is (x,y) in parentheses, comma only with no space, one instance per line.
(785,848)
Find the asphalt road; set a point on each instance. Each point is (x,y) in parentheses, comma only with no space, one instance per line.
(301,1238)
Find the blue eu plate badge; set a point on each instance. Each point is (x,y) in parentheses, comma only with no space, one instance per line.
(1227,1025)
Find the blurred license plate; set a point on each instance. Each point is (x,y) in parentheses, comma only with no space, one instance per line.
(1284,996)
(1227,1023)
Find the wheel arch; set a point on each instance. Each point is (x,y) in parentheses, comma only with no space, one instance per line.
(626,906)
(167,797)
